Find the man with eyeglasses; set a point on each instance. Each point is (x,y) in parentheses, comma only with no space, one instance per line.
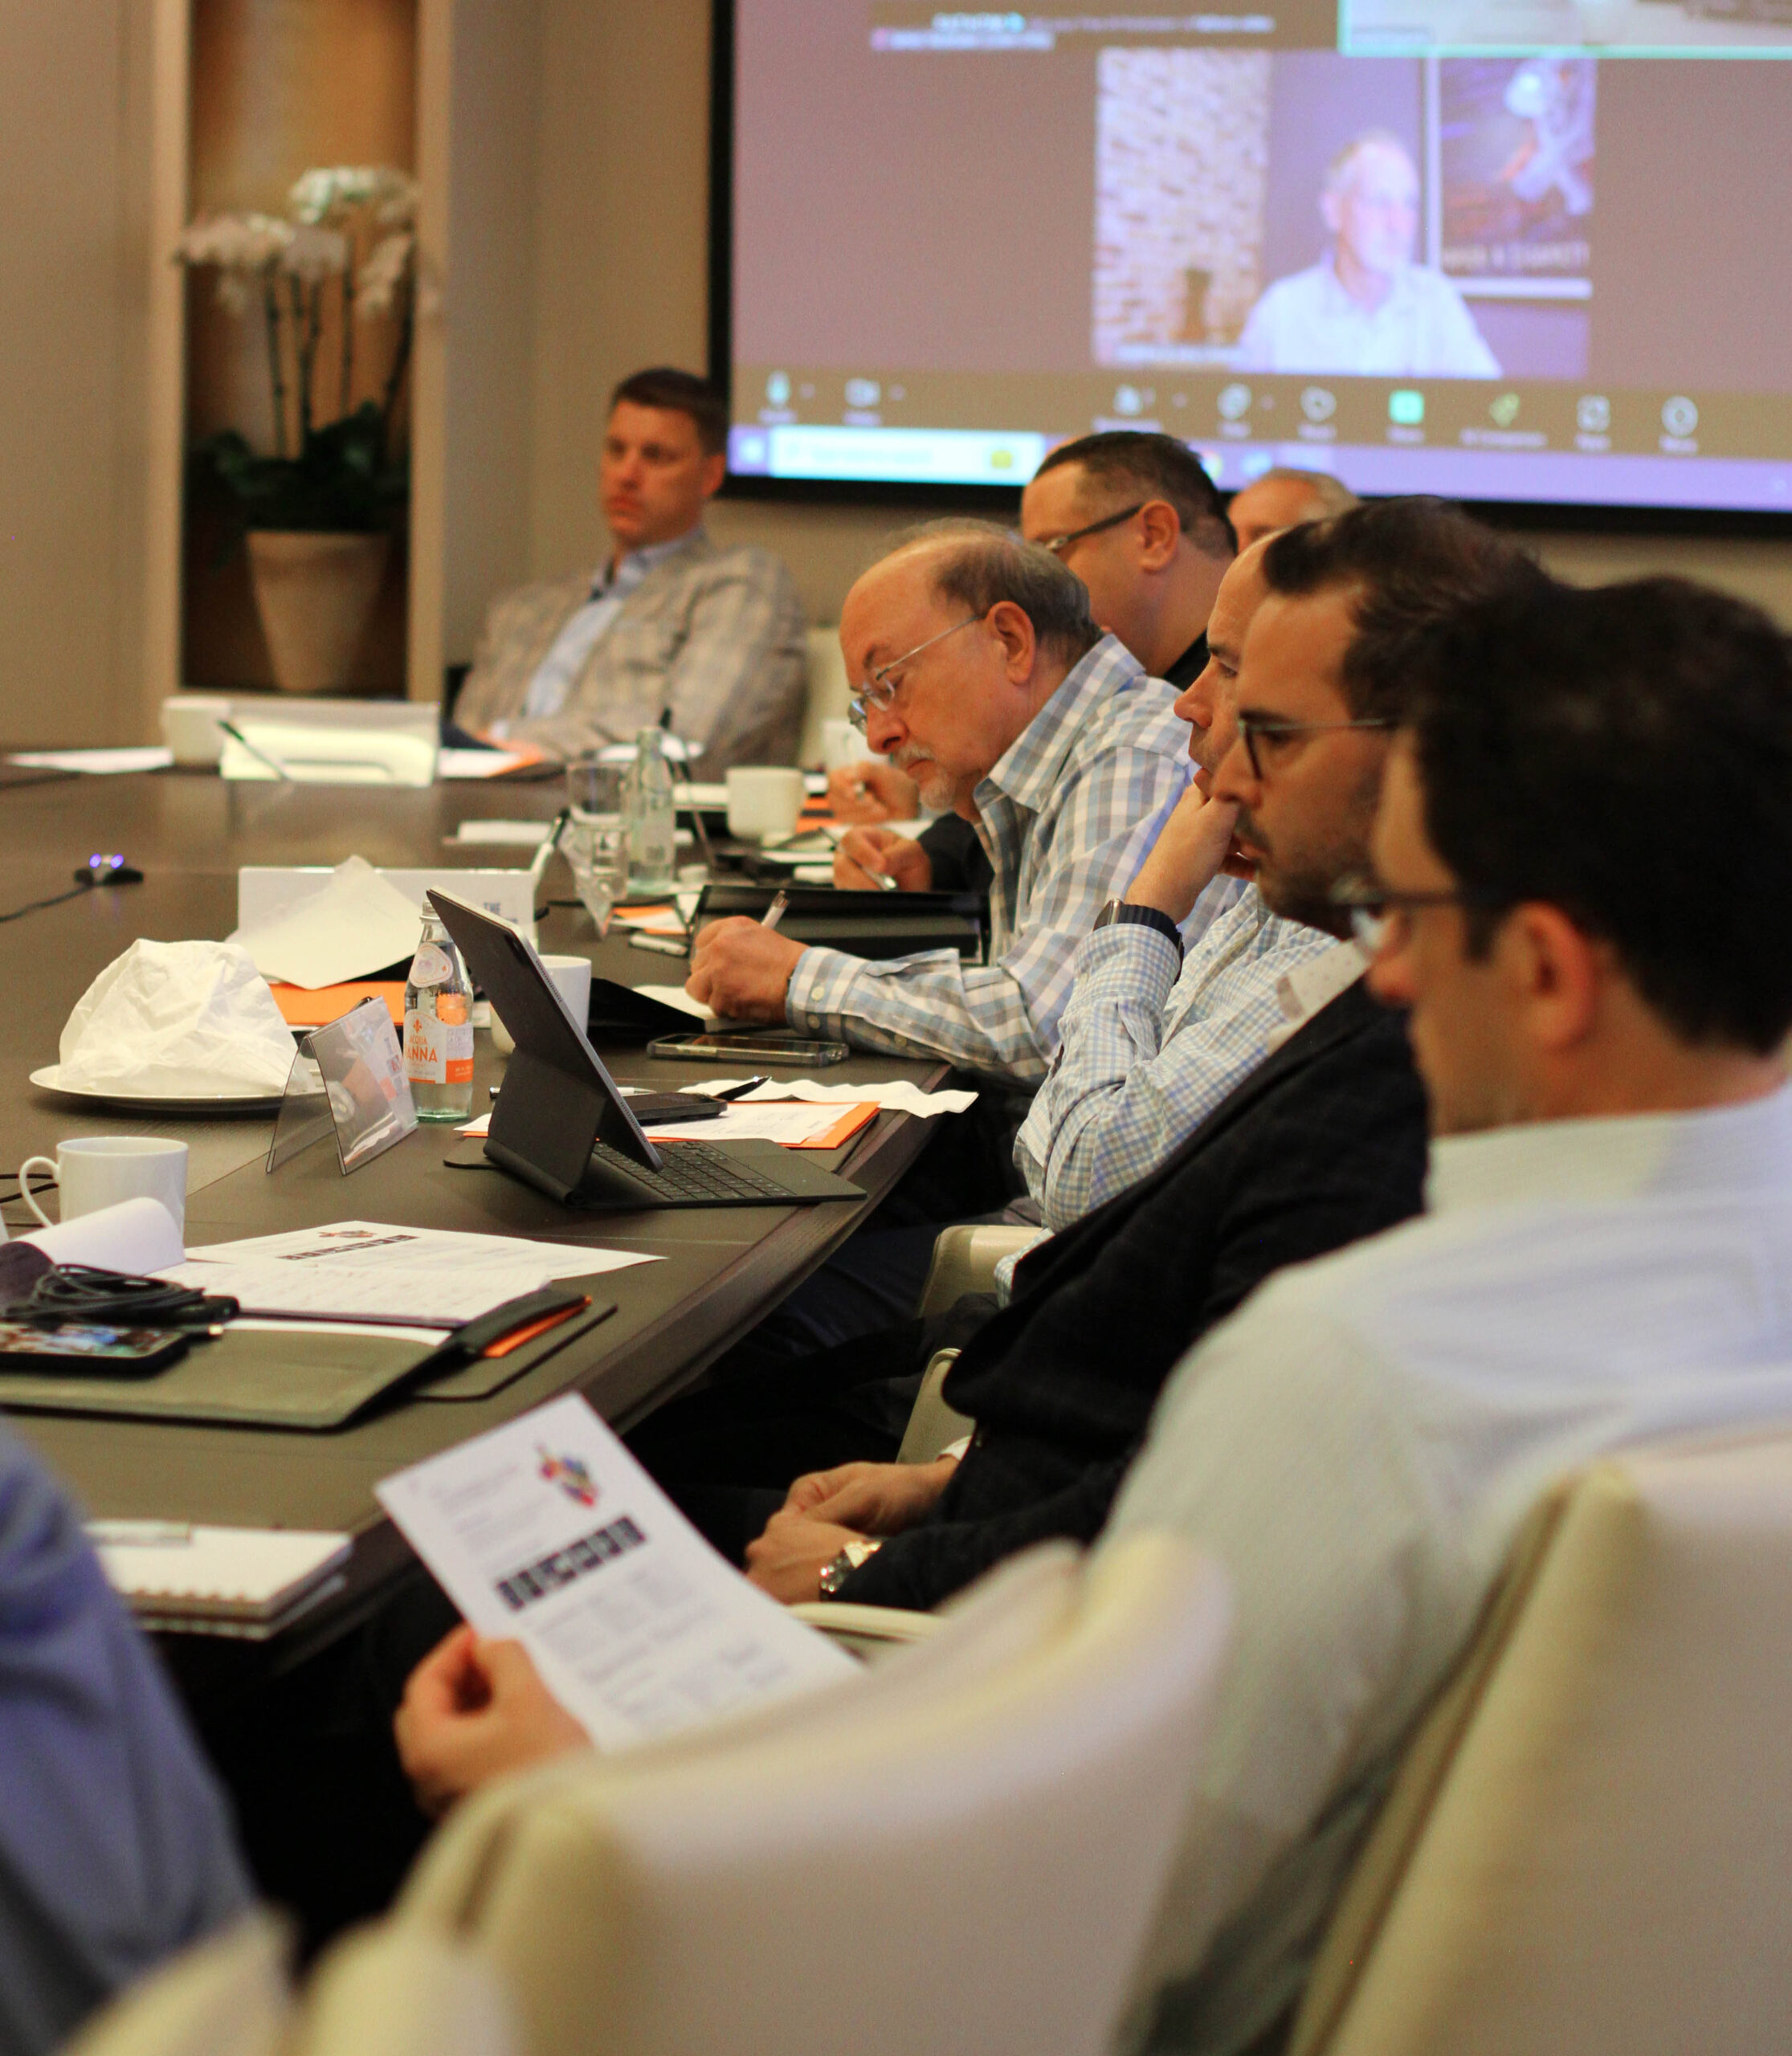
(1602,1263)
(984,677)
(1138,518)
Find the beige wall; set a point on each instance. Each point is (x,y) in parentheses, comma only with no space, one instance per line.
(73,285)
(620,266)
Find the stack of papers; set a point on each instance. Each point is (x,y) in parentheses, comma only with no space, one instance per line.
(504,835)
(897,1093)
(96,763)
(362,1270)
(216,1580)
(547,1530)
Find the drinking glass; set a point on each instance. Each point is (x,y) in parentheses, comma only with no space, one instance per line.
(595,842)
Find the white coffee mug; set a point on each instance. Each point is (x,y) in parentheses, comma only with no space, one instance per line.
(92,1171)
(763,799)
(572,976)
(189,727)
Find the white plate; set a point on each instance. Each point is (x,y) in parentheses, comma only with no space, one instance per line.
(159,1103)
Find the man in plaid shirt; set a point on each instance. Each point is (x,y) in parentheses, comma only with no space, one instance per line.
(672,627)
(985,679)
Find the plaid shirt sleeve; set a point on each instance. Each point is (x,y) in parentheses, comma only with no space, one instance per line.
(1002,1018)
(1134,1077)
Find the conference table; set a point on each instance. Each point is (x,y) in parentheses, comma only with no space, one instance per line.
(719,1270)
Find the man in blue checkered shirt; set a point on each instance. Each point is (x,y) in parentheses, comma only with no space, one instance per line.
(985,678)
(1152,1040)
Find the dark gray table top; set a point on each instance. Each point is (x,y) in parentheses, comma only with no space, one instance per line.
(720,1270)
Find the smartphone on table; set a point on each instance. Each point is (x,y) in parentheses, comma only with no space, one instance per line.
(73,1347)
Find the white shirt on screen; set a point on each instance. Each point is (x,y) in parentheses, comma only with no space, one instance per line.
(1309,323)
(1360,1443)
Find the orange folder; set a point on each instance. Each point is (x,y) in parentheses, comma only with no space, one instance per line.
(304,1008)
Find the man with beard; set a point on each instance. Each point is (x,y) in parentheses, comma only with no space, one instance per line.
(983,677)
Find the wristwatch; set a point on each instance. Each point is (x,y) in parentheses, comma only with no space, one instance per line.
(1123,912)
(834,1574)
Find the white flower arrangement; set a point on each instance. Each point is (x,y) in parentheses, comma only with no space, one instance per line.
(292,264)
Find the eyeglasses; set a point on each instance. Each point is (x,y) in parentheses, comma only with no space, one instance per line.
(1379,916)
(1058,544)
(1266,738)
(879,690)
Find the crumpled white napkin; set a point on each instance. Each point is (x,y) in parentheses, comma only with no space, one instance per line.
(175,1018)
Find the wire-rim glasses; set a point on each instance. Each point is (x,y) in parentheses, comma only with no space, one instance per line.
(879,692)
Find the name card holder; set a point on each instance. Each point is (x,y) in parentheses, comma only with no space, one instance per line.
(347,1080)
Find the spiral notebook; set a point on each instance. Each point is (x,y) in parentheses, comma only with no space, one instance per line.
(243,1581)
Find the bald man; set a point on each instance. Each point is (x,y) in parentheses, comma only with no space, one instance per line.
(982,676)
(1283,498)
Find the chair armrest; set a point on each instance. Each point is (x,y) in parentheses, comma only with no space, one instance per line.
(964,1260)
(933,1426)
(880,1624)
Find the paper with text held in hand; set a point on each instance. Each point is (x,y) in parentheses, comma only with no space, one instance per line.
(547,1530)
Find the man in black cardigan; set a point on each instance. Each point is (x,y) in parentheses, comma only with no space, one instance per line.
(1323,1145)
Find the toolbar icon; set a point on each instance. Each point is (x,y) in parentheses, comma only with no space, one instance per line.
(1592,414)
(1233,403)
(1504,409)
(1679,416)
(1317,405)
(1405,408)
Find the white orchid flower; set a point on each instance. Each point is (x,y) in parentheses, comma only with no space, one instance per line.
(314,254)
(329,190)
(383,274)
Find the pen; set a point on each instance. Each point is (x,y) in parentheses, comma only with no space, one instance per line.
(260,755)
(663,945)
(881,880)
(548,845)
(780,906)
(739,1091)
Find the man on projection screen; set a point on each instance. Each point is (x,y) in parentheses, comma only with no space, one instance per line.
(1365,309)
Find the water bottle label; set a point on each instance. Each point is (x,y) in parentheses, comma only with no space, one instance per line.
(432,965)
(439,1050)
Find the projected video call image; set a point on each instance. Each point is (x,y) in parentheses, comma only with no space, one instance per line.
(1559,270)
(1726,28)
(1253,213)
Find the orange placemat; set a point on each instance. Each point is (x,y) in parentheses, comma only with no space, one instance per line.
(304,1008)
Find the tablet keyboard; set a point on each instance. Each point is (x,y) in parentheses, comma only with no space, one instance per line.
(693,1170)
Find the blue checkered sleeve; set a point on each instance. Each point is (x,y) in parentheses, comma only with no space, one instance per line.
(1002,1018)
(1147,1054)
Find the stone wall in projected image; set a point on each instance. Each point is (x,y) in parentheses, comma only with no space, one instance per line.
(1181,151)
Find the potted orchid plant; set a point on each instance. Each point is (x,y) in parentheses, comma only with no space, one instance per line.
(320,507)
